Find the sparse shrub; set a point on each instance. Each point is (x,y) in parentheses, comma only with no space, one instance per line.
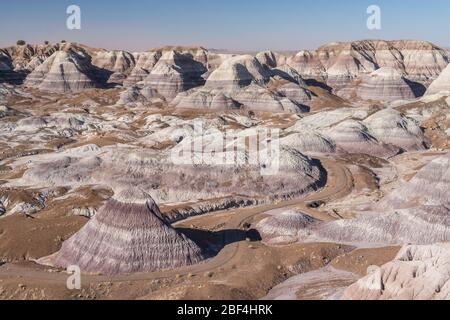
(63,41)
(46,42)
(21,42)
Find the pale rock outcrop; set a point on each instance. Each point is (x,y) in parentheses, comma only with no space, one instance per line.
(283,225)
(295,93)
(354,137)
(416,212)
(341,62)
(118,63)
(387,84)
(305,142)
(64,71)
(417,273)
(205,99)
(289,74)
(237,72)
(441,84)
(392,127)
(145,62)
(175,72)
(287,174)
(268,59)
(240,82)
(127,235)
(429,186)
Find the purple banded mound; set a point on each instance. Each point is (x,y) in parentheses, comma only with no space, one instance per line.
(127,235)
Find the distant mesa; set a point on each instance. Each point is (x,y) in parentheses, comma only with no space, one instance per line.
(193,77)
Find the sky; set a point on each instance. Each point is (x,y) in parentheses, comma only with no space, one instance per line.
(245,25)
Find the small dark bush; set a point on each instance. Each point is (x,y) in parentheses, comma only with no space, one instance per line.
(21,43)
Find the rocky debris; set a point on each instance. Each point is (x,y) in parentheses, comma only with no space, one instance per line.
(6,112)
(326,283)
(127,235)
(268,59)
(417,225)
(417,273)
(237,72)
(27,57)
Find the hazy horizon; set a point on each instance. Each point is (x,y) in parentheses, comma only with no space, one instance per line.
(285,25)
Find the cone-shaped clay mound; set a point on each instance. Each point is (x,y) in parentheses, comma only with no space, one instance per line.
(127,235)
(175,72)
(67,70)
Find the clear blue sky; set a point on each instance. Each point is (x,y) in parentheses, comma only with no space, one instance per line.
(236,25)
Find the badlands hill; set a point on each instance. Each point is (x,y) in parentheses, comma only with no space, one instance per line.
(64,71)
(338,62)
(416,212)
(193,77)
(127,235)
